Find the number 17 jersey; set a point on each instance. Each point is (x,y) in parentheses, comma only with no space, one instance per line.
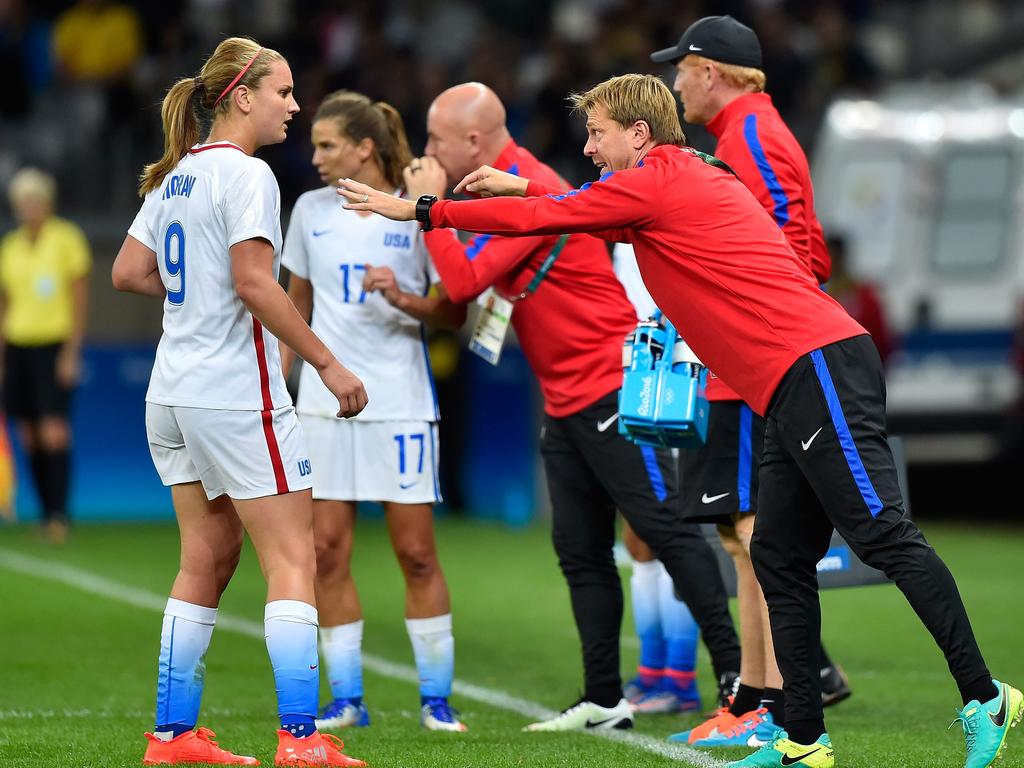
(386,348)
(213,352)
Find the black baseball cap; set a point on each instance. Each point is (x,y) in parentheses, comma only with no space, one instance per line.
(720,38)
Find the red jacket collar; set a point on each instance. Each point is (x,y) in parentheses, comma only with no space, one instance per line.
(737,108)
(509,156)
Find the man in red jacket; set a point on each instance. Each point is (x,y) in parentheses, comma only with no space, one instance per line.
(717,264)
(722,87)
(571,315)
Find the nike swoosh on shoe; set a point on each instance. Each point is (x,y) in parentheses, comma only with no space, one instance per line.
(787,760)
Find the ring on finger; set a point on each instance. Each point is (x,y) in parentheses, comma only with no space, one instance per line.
(365,199)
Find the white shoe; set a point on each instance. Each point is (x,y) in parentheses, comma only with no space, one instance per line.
(437,715)
(586,714)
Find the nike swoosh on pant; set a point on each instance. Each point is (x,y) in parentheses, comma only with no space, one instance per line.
(810,440)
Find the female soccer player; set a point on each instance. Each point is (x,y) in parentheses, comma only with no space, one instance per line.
(222,429)
(364,282)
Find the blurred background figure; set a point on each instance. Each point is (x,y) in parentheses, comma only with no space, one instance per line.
(44,268)
(7,475)
(858,297)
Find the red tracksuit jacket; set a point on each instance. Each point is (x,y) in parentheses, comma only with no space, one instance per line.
(572,328)
(754,141)
(713,259)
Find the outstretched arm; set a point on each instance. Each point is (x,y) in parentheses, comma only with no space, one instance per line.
(607,208)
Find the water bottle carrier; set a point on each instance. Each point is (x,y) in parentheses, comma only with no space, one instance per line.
(662,402)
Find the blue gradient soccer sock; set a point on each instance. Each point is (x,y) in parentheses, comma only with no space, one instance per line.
(342,650)
(644,591)
(434,649)
(681,633)
(184,638)
(290,628)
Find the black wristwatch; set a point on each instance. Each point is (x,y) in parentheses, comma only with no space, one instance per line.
(423,211)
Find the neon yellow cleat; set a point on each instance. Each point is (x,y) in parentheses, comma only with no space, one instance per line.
(781,752)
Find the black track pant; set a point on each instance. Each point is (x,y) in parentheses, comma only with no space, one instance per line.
(827,463)
(591,472)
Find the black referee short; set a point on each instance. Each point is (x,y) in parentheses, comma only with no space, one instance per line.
(719,479)
(592,471)
(31,389)
(827,463)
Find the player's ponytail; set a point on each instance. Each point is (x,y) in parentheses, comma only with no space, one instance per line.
(181,131)
(194,101)
(358,118)
(395,154)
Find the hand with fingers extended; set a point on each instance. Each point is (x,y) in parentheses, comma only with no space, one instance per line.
(486,181)
(383,279)
(424,176)
(362,197)
(345,386)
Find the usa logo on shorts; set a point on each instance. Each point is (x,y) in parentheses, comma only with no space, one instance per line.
(305,468)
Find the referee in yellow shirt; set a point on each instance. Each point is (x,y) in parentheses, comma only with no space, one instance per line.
(44,272)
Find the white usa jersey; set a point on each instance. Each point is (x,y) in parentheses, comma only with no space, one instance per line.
(213,352)
(624,264)
(386,348)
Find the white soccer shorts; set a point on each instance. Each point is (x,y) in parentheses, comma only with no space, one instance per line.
(373,460)
(244,454)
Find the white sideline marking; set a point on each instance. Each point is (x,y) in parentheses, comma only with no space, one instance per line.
(51,570)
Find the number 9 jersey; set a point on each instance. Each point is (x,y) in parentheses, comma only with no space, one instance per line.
(213,352)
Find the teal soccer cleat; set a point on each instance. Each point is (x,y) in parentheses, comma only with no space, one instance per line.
(986,725)
(780,752)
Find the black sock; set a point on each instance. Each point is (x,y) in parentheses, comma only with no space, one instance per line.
(58,474)
(805,731)
(982,690)
(604,698)
(775,702)
(746,700)
(37,461)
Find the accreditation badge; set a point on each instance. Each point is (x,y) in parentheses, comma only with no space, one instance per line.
(491,326)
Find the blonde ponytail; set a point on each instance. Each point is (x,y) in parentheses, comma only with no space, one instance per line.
(181,131)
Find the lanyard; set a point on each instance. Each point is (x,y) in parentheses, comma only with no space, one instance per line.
(544,268)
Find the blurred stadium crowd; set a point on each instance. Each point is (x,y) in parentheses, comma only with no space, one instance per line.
(85,78)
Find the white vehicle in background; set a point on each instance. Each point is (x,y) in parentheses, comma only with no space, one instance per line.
(927,185)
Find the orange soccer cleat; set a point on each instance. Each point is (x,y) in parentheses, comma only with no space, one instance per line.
(720,721)
(317,749)
(195,746)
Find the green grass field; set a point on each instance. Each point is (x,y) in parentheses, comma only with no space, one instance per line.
(80,627)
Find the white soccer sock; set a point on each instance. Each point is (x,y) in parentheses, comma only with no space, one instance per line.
(341,647)
(681,633)
(434,649)
(184,638)
(290,628)
(644,589)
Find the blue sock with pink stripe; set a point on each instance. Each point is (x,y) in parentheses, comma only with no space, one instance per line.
(681,634)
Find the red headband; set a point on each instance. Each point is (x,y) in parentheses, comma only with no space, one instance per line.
(238,77)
